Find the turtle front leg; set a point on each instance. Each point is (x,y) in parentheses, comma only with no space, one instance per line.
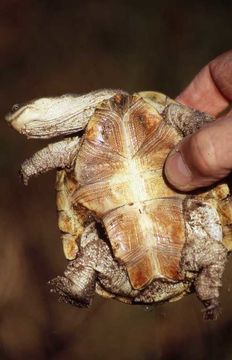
(185,120)
(204,253)
(58,155)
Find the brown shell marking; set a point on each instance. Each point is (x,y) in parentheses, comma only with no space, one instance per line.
(119,170)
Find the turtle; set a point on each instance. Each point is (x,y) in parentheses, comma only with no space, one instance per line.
(127,233)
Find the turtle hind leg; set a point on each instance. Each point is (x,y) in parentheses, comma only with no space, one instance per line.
(210,297)
(208,260)
(77,286)
(93,264)
(77,291)
(204,254)
(208,282)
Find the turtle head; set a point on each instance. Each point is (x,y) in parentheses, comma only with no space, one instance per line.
(54,116)
(41,118)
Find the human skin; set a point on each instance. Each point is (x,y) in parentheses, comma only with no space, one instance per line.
(206,156)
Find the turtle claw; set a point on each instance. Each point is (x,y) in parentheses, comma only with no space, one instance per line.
(212,310)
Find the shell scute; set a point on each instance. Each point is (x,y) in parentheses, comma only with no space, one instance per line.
(119,172)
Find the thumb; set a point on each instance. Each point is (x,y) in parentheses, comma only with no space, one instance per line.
(202,158)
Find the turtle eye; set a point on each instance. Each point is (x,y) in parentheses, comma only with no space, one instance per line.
(14,108)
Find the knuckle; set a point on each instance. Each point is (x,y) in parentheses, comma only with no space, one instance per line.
(203,153)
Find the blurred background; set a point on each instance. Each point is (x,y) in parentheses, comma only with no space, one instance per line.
(53,47)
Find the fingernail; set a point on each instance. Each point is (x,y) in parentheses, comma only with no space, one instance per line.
(177,171)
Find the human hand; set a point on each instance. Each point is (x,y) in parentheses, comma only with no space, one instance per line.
(206,156)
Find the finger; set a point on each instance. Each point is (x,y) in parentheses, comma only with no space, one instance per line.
(211,89)
(202,158)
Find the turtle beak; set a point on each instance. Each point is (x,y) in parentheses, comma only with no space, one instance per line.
(15,119)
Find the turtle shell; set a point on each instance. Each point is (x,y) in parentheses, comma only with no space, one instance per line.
(163,242)
(119,175)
